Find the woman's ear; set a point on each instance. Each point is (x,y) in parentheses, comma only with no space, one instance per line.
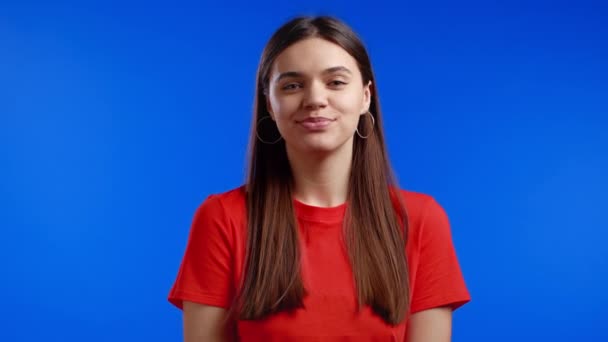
(269,106)
(367,97)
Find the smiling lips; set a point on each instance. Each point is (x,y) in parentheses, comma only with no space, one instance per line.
(315,124)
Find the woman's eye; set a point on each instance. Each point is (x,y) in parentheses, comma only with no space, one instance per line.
(290,86)
(337,83)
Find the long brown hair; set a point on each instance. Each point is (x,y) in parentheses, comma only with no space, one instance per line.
(375,228)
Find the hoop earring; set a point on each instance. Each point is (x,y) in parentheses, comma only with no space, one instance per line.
(257,134)
(372,130)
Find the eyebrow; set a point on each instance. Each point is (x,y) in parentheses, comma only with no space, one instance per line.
(326,71)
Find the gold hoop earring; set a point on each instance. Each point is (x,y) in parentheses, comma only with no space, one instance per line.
(372,130)
(257,134)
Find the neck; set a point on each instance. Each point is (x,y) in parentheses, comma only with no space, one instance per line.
(321,179)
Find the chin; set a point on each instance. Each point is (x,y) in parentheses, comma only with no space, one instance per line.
(321,146)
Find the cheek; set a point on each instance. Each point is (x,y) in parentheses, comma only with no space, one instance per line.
(284,107)
(283,115)
(349,103)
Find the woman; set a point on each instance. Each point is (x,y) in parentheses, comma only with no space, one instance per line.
(319,244)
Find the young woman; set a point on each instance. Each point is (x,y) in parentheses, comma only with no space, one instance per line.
(320,244)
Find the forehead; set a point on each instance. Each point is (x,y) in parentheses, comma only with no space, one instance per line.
(312,56)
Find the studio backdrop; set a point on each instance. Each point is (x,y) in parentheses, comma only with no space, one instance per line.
(117,119)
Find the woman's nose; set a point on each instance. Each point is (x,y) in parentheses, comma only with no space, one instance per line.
(315,96)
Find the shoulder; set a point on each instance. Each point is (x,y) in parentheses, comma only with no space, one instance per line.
(424,213)
(231,201)
(418,204)
(436,277)
(223,211)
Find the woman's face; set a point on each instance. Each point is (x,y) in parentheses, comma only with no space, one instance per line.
(316,96)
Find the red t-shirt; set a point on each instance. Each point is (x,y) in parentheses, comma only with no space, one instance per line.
(214,260)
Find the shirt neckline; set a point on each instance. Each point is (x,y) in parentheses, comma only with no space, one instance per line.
(313,213)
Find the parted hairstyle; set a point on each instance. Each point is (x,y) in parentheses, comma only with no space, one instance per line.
(375,223)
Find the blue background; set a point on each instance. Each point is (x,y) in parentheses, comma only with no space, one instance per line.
(119,118)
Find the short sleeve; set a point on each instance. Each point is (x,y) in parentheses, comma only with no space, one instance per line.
(439,280)
(205,273)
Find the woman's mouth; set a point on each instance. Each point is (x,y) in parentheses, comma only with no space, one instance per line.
(316,123)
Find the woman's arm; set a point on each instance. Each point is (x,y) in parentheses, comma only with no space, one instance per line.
(433,325)
(206,323)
